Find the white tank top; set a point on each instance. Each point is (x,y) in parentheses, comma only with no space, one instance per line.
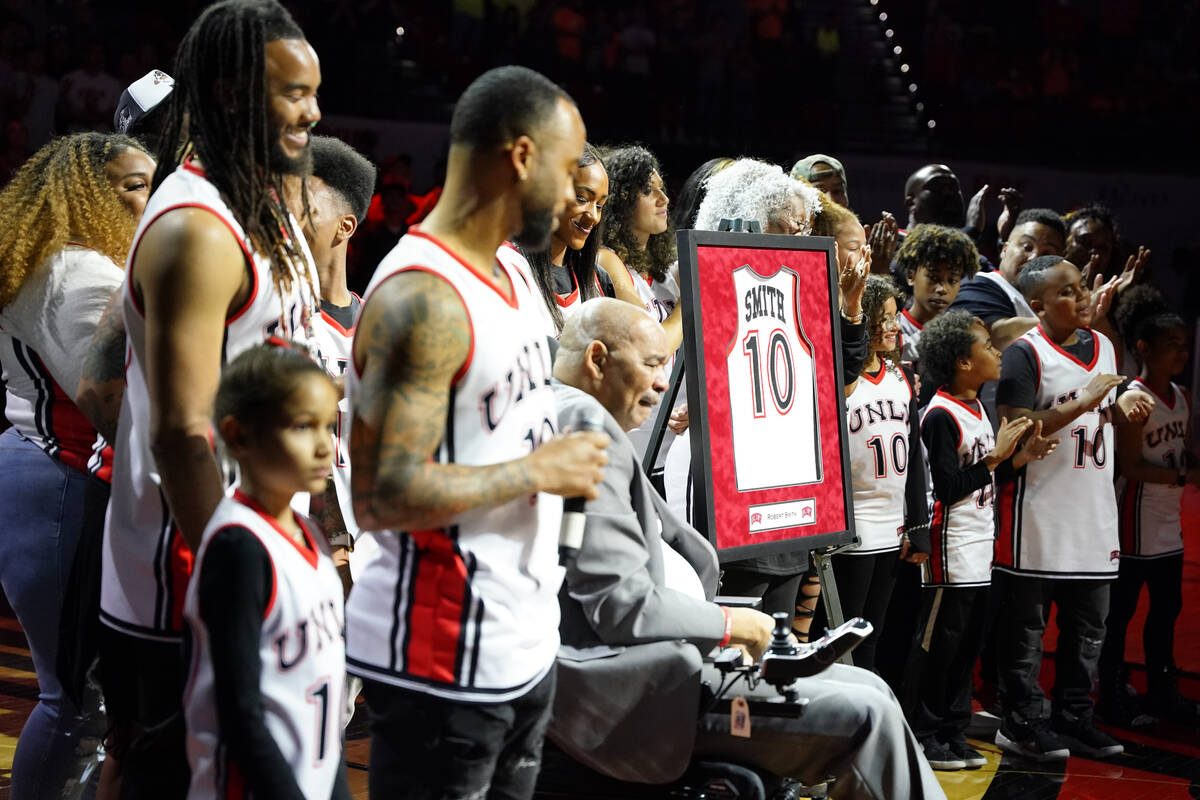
(1150,526)
(1058,519)
(878,426)
(303,660)
(470,611)
(772,385)
(146,563)
(910,334)
(962,534)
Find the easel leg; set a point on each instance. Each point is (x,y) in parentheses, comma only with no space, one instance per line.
(829,596)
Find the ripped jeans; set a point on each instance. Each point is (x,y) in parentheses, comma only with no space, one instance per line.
(430,748)
(1024,610)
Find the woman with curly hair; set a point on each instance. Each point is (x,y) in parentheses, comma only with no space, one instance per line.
(887,476)
(639,244)
(68,217)
(566,272)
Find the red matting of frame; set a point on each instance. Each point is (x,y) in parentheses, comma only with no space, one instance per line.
(719,312)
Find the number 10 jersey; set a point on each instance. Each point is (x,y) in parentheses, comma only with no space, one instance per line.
(772,385)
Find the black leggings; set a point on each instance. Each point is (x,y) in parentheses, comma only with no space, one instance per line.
(864,585)
(1163,578)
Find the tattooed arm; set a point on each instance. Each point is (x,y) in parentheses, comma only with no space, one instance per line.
(102,378)
(412,338)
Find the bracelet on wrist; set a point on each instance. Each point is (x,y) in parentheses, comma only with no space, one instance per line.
(728,626)
(853,320)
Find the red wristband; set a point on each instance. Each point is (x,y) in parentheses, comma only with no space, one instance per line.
(728,626)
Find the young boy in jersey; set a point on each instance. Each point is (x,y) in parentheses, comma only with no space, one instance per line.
(339,194)
(263,611)
(1058,518)
(957,357)
(1155,463)
(935,260)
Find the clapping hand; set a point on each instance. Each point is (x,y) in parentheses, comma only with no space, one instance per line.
(882,237)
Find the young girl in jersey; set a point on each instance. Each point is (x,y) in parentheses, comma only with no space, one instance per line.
(263,613)
(567,272)
(1155,463)
(934,261)
(957,357)
(889,488)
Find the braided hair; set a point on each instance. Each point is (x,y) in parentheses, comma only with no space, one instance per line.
(219,112)
(1141,315)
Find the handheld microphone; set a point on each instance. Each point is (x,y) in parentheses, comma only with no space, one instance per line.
(570,535)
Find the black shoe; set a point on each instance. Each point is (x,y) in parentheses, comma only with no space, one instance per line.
(1031,739)
(1124,707)
(1083,737)
(940,757)
(971,758)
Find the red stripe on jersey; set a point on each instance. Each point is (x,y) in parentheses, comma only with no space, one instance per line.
(568,300)
(1006,533)
(485,279)
(976,411)
(241,243)
(309,553)
(1062,352)
(912,320)
(70,430)
(235,786)
(1127,519)
(937,526)
(470,325)
(436,614)
(182,561)
(337,326)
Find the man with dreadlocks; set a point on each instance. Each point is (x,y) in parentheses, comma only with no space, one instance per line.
(217,266)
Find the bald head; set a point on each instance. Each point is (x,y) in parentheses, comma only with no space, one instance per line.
(932,194)
(617,353)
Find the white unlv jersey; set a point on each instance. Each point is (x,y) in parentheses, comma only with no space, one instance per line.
(470,611)
(772,385)
(1149,512)
(963,534)
(303,660)
(146,561)
(333,345)
(910,334)
(1058,519)
(878,425)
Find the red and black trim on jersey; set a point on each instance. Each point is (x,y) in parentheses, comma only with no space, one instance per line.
(64,433)
(1129,527)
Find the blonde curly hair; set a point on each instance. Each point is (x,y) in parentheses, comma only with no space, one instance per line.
(62,192)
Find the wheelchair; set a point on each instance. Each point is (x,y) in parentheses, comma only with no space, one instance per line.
(562,778)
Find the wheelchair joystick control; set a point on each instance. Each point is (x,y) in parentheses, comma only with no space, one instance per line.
(781,636)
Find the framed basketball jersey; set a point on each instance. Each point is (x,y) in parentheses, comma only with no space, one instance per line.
(762,344)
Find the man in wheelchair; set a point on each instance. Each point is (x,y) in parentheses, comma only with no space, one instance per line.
(637,700)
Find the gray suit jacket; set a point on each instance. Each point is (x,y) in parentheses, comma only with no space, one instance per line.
(629,668)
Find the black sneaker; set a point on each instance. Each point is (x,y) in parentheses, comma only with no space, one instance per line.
(940,757)
(971,758)
(1083,737)
(1031,739)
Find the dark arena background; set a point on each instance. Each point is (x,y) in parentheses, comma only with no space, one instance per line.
(1069,102)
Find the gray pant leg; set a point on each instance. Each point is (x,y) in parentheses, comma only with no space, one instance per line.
(853,730)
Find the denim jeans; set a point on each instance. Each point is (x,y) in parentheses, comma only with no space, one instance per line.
(42,505)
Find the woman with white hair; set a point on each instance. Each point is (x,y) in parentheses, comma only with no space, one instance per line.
(756,190)
(749,189)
